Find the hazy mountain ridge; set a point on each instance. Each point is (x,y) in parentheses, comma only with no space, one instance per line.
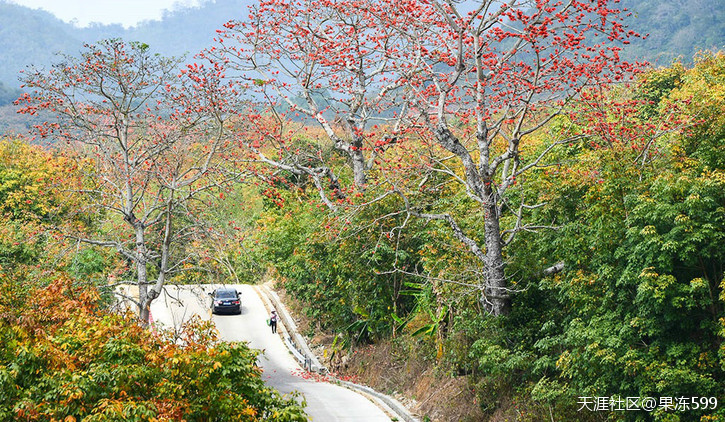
(32,36)
(675,28)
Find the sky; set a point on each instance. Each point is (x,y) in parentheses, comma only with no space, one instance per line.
(126,12)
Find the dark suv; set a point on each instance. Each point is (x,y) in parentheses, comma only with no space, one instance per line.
(226,300)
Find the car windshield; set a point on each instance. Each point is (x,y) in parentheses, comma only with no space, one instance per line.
(226,294)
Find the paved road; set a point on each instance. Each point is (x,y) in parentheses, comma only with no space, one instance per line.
(325,402)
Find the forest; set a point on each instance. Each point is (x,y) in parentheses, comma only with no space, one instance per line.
(487,210)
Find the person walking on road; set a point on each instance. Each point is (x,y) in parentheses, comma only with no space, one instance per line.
(273,321)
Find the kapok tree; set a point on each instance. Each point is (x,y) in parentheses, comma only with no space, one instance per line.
(476,81)
(502,71)
(151,142)
(327,63)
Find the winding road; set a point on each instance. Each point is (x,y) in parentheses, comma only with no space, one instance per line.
(325,402)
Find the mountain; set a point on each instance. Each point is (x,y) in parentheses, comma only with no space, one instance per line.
(32,36)
(676,28)
(180,32)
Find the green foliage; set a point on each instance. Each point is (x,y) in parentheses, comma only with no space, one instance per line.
(639,309)
(28,175)
(30,202)
(87,263)
(337,266)
(656,86)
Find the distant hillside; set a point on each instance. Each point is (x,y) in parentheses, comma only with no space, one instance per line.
(29,36)
(180,32)
(677,28)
